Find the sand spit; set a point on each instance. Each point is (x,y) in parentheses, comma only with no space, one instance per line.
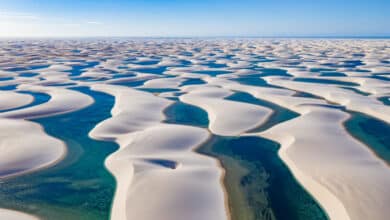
(10,100)
(61,101)
(155,164)
(226,117)
(7,214)
(164,83)
(133,111)
(19,155)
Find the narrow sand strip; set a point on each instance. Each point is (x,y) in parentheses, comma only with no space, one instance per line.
(133,111)
(173,83)
(226,117)
(353,101)
(10,100)
(34,151)
(61,101)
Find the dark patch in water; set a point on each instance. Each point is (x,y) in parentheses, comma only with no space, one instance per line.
(193,82)
(28,74)
(336,74)
(385,100)
(9,87)
(78,69)
(6,78)
(165,163)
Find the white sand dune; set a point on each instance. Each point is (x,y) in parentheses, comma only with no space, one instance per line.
(279,96)
(226,117)
(341,173)
(189,185)
(138,77)
(336,169)
(133,111)
(61,101)
(173,83)
(158,173)
(351,100)
(6,214)
(34,151)
(192,188)
(10,100)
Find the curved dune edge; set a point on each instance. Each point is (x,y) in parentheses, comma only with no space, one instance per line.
(10,100)
(155,164)
(171,83)
(7,214)
(335,160)
(336,169)
(227,118)
(19,156)
(365,104)
(61,101)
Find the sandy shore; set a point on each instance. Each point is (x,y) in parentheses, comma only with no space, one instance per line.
(61,101)
(7,214)
(340,172)
(19,155)
(10,100)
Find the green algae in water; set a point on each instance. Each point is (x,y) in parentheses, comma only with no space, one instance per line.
(372,132)
(79,186)
(255,174)
(259,185)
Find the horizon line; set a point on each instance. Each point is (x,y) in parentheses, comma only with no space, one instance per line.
(207,37)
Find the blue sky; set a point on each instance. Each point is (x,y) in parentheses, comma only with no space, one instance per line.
(194,18)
